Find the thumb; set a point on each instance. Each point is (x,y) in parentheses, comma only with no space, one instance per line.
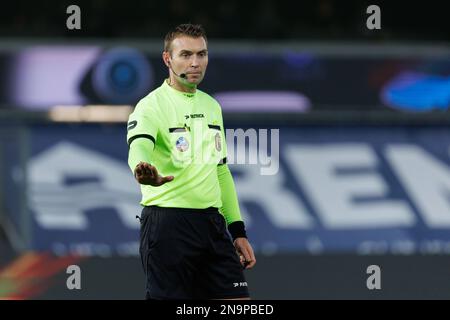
(167,179)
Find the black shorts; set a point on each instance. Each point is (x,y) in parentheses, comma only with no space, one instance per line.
(188,254)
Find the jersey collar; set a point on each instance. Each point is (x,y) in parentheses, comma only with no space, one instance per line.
(185,95)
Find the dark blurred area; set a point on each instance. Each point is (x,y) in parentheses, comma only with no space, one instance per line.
(232,19)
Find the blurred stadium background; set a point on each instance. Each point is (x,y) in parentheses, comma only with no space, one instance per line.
(364,167)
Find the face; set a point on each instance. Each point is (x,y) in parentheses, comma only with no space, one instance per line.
(189,56)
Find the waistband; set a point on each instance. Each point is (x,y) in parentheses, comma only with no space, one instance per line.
(209,210)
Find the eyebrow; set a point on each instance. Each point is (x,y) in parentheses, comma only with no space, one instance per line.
(190,52)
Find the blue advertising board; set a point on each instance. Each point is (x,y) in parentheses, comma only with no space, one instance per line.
(319,190)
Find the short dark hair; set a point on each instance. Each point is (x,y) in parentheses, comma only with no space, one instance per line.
(187,29)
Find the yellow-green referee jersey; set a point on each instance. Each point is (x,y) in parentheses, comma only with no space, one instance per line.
(185,138)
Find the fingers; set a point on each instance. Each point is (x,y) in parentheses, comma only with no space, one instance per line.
(252,261)
(142,169)
(138,171)
(149,170)
(148,174)
(241,256)
(152,171)
(246,255)
(242,260)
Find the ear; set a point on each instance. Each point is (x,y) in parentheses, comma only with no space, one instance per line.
(166,58)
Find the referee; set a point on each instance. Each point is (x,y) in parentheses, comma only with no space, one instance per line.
(177,153)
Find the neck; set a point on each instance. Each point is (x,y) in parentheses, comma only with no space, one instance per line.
(178,85)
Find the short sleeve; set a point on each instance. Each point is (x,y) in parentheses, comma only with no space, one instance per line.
(143,122)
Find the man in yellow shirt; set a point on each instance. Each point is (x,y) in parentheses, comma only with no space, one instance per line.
(178,155)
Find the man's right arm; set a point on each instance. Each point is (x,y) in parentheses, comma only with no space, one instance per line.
(141,150)
(141,138)
(142,131)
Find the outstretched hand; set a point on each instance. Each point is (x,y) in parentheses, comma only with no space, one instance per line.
(147,174)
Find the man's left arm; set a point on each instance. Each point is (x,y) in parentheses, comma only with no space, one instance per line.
(232,214)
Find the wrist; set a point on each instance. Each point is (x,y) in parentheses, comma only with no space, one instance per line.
(237,230)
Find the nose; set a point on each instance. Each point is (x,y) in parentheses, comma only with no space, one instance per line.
(194,62)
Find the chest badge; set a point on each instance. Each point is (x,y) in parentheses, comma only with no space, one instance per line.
(182,144)
(218,142)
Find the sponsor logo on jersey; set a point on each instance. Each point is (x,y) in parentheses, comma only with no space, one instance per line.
(193,116)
